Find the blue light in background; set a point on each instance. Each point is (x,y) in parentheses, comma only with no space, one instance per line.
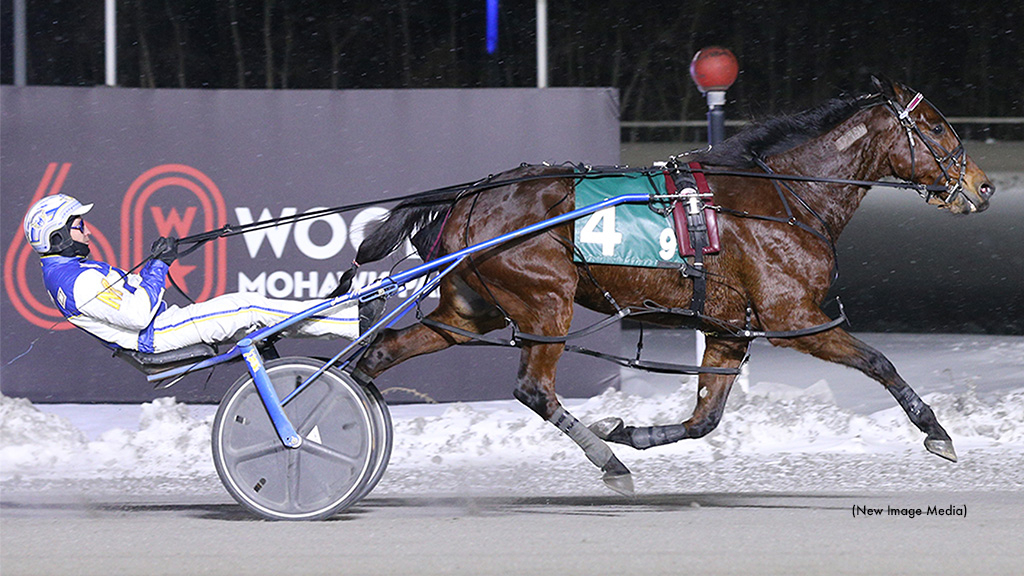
(492,26)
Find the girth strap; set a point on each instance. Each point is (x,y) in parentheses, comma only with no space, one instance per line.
(691,210)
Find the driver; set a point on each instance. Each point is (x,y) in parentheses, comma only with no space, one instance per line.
(128,310)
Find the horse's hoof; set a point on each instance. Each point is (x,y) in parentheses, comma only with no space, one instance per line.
(617,477)
(942,448)
(603,429)
(621,483)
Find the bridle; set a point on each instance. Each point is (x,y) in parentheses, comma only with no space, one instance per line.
(946,159)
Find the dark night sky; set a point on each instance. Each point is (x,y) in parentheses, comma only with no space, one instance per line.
(968,57)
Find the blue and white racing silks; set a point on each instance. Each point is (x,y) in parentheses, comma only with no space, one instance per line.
(105,301)
(128,310)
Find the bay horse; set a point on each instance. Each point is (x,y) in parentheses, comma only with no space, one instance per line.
(768,265)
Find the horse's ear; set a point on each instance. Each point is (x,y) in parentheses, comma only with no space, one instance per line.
(884,86)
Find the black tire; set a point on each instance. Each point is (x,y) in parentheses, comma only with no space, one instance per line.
(340,452)
(384,436)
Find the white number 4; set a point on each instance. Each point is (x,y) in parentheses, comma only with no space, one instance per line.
(608,238)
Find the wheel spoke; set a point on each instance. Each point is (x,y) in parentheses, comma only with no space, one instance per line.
(292,480)
(317,413)
(256,451)
(329,453)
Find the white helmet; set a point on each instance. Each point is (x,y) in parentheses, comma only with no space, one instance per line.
(50,216)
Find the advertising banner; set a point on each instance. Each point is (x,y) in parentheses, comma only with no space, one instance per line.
(178,162)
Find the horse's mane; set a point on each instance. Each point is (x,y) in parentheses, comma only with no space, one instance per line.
(784,132)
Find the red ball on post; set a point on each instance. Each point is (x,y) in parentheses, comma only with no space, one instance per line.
(714,69)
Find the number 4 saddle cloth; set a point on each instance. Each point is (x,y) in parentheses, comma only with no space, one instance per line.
(659,234)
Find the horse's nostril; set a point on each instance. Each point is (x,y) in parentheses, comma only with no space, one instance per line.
(986,190)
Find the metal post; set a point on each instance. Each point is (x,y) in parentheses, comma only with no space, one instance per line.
(110,26)
(542,43)
(492,26)
(20,44)
(716,117)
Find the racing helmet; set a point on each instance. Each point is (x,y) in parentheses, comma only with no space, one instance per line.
(46,224)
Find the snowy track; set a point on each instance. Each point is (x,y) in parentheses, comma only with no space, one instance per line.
(721,533)
(830,428)
(490,488)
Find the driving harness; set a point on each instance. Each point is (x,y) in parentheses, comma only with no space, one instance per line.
(696,225)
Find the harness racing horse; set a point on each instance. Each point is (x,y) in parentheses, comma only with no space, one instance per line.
(772,273)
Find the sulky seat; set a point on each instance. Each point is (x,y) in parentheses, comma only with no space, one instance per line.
(151,363)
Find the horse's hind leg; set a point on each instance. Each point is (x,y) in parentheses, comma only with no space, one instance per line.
(712,392)
(535,387)
(459,306)
(839,346)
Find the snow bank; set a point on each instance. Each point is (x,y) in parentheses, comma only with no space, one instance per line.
(168,443)
(773,437)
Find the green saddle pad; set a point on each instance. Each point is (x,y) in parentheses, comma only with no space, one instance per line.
(627,234)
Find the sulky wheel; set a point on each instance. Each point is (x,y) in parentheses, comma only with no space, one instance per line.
(341,445)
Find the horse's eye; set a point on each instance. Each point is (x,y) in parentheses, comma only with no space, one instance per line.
(938,129)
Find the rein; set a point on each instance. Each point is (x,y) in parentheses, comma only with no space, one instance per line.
(518,339)
(945,159)
(790,219)
(488,183)
(234,230)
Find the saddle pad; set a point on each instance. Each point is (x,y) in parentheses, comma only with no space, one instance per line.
(627,234)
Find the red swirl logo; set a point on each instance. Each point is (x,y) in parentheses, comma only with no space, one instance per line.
(178,186)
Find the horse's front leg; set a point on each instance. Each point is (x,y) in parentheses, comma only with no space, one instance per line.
(712,392)
(839,346)
(535,387)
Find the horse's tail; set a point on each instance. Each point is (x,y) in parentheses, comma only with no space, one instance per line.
(405,220)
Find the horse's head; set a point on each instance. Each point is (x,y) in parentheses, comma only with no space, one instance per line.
(932,154)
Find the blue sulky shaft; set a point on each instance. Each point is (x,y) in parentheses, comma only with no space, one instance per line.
(285,431)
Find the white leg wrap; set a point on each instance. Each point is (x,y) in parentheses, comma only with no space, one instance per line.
(596,450)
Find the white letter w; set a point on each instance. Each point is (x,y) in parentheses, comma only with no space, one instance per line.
(277,235)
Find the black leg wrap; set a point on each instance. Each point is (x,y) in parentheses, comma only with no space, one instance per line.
(919,412)
(937,440)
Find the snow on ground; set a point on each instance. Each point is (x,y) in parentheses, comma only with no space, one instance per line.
(774,437)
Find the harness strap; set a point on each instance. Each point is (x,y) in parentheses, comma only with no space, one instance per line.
(520,339)
(798,333)
(652,366)
(730,331)
(518,342)
(791,219)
